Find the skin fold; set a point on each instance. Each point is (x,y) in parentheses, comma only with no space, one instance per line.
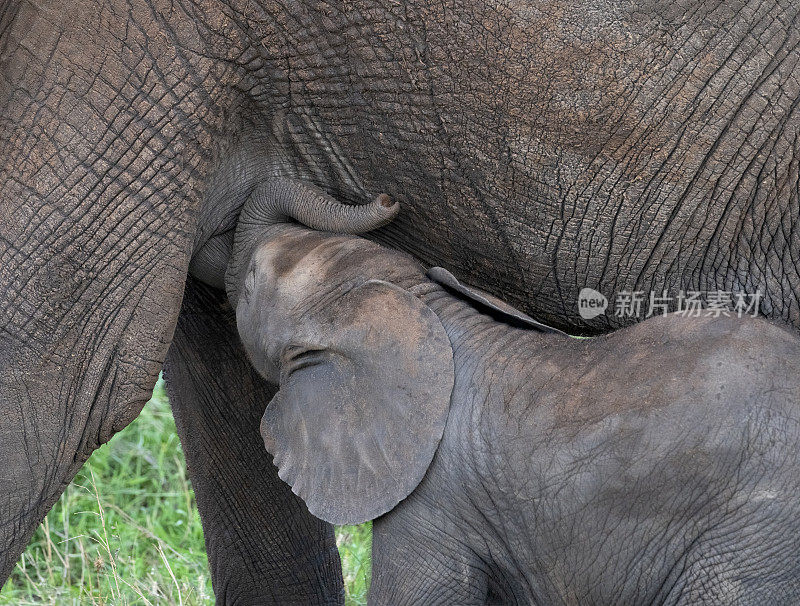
(658,464)
(537,148)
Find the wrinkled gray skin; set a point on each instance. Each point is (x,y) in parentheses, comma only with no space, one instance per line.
(656,465)
(537,148)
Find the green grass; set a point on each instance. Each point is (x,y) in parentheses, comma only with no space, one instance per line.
(127,531)
(355,549)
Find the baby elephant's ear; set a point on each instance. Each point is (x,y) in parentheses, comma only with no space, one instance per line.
(487,303)
(359,416)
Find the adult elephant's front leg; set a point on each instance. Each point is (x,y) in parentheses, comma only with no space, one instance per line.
(263,545)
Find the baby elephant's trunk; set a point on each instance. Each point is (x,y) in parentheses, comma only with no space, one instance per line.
(284,200)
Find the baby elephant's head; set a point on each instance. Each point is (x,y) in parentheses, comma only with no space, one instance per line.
(365,368)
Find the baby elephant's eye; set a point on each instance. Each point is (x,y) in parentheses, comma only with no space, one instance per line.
(298,357)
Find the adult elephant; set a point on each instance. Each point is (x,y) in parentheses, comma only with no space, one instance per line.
(537,148)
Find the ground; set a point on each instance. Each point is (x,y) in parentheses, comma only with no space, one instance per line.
(127,531)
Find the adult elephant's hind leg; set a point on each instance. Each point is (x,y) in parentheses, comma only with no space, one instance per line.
(263,545)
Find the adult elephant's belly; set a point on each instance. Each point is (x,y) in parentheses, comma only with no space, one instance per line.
(543,148)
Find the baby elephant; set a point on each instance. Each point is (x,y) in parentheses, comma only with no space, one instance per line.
(503,462)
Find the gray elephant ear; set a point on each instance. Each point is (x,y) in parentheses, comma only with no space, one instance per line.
(487,302)
(358,418)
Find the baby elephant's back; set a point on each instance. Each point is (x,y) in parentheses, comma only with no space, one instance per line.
(687,464)
(663,466)
(713,363)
